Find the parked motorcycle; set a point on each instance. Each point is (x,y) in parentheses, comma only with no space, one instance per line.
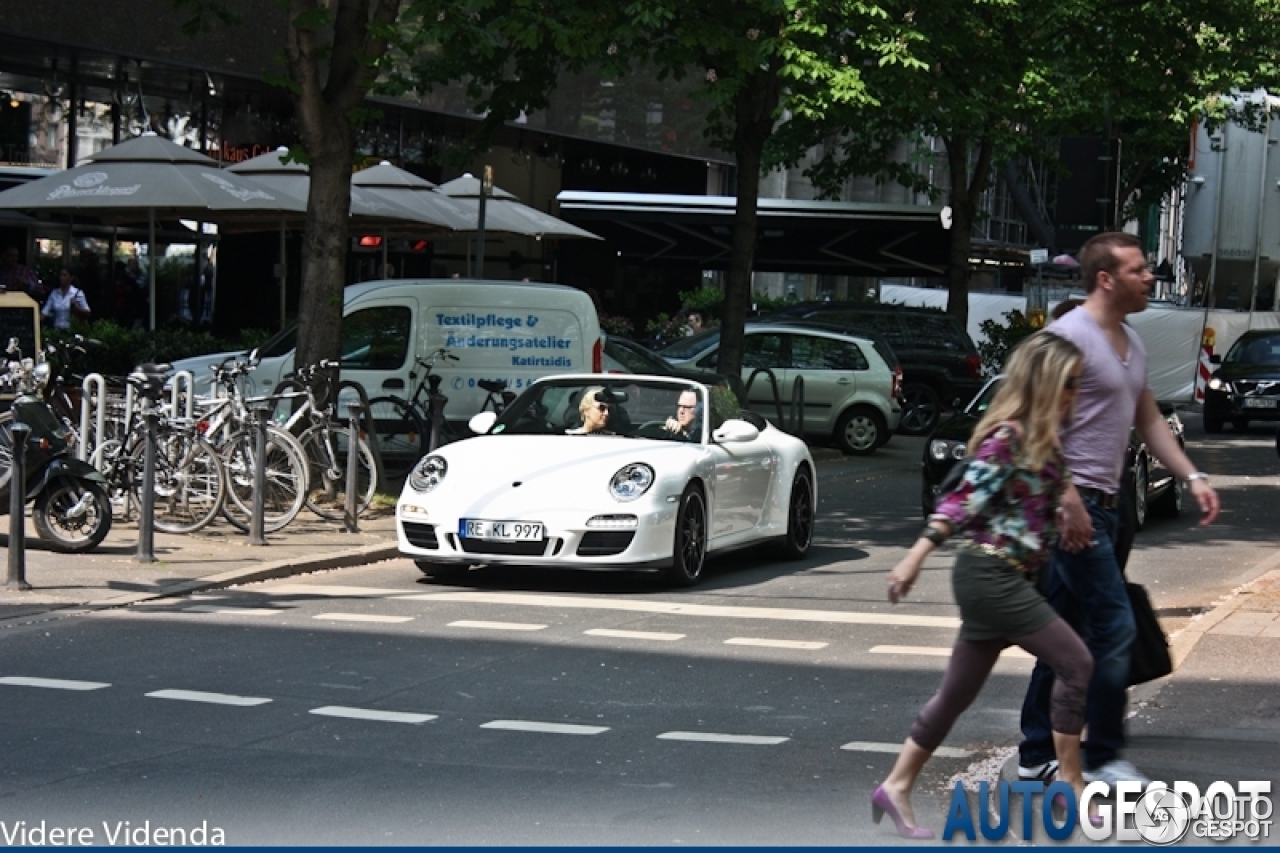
(70,509)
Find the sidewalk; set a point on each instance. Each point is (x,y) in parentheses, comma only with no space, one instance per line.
(220,555)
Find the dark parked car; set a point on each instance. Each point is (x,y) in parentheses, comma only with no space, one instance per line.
(1246,385)
(940,363)
(1149,485)
(626,356)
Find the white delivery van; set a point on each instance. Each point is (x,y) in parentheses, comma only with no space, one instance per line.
(498,330)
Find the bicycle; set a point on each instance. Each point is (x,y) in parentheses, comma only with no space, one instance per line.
(230,425)
(409,429)
(326,445)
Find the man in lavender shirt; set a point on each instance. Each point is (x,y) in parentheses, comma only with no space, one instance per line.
(1084,582)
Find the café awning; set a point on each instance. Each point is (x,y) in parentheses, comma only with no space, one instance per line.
(821,237)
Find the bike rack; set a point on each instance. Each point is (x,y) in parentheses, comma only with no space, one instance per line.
(93,414)
(182,381)
(380,475)
(793,422)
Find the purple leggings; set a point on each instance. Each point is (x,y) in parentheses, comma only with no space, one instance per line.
(971,662)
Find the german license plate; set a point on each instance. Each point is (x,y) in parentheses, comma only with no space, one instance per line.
(500,531)
(1259,402)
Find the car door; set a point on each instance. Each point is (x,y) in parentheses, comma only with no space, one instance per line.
(830,368)
(744,474)
(762,351)
(379,345)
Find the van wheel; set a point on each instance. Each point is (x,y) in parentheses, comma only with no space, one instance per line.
(921,408)
(795,545)
(689,545)
(860,430)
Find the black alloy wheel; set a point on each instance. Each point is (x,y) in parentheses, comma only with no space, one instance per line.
(799,517)
(689,549)
(921,409)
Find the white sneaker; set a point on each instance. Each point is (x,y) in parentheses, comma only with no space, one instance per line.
(1041,772)
(1115,771)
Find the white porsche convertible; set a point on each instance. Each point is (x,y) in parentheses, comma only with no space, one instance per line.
(609,472)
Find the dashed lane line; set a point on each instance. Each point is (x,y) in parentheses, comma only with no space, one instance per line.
(939,651)
(895,748)
(51,683)
(496,626)
(774,644)
(331,590)
(373,714)
(362,617)
(844,617)
(210,698)
(634,635)
(234,611)
(714,737)
(544,728)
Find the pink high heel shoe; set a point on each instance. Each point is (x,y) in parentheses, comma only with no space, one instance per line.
(880,803)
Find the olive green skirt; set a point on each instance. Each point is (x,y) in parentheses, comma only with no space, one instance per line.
(996,600)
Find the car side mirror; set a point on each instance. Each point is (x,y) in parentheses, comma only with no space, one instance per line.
(734,431)
(1215,359)
(482,422)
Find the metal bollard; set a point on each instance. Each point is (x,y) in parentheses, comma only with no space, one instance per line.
(17,505)
(257,521)
(146,518)
(353,469)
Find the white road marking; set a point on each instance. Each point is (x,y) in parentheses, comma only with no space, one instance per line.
(670,607)
(211,698)
(940,651)
(712,737)
(773,644)
(895,748)
(362,617)
(330,591)
(545,728)
(496,626)
(634,635)
(371,714)
(52,683)
(234,611)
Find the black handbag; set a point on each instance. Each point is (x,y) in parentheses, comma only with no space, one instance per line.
(1150,654)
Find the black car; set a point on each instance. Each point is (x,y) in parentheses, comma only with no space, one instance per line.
(1149,485)
(1246,385)
(940,363)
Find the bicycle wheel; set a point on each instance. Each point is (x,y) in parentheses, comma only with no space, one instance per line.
(189,488)
(285,491)
(6,448)
(402,437)
(327,448)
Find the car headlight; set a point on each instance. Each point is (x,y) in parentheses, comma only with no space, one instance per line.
(428,473)
(631,481)
(1216,384)
(942,449)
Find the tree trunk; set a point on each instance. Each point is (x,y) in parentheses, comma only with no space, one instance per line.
(966,188)
(754,109)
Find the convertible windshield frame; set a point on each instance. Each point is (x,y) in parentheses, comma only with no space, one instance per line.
(639,408)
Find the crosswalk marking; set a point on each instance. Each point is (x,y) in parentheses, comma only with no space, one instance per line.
(372,714)
(713,737)
(362,617)
(686,609)
(894,748)
(940,651)
(331,590)
(633,635)
(544,728)
(211,698)
(773,644)
(496,626)
(52,683)
(234,611)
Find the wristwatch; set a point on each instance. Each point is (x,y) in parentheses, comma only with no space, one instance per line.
(1197,475)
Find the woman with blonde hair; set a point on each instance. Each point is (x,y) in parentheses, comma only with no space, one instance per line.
(1004,512)
(593,408)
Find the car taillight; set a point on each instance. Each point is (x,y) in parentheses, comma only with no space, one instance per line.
(974,363)
(897,382)
(597,357)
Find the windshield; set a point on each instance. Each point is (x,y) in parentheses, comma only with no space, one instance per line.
(980,403)
(629,357)
(687,348)
(1255,351)
(663,411)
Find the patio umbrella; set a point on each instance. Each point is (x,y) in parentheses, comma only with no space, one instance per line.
(405,189)
(367,207)
(503,212)
(146,178)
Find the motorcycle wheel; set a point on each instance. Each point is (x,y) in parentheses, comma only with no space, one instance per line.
(72,535)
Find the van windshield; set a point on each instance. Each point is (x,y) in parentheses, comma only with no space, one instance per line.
(282,342)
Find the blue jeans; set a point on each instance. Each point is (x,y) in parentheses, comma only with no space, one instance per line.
(1087,590)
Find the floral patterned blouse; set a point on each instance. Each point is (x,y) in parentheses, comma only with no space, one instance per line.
(1004,509)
